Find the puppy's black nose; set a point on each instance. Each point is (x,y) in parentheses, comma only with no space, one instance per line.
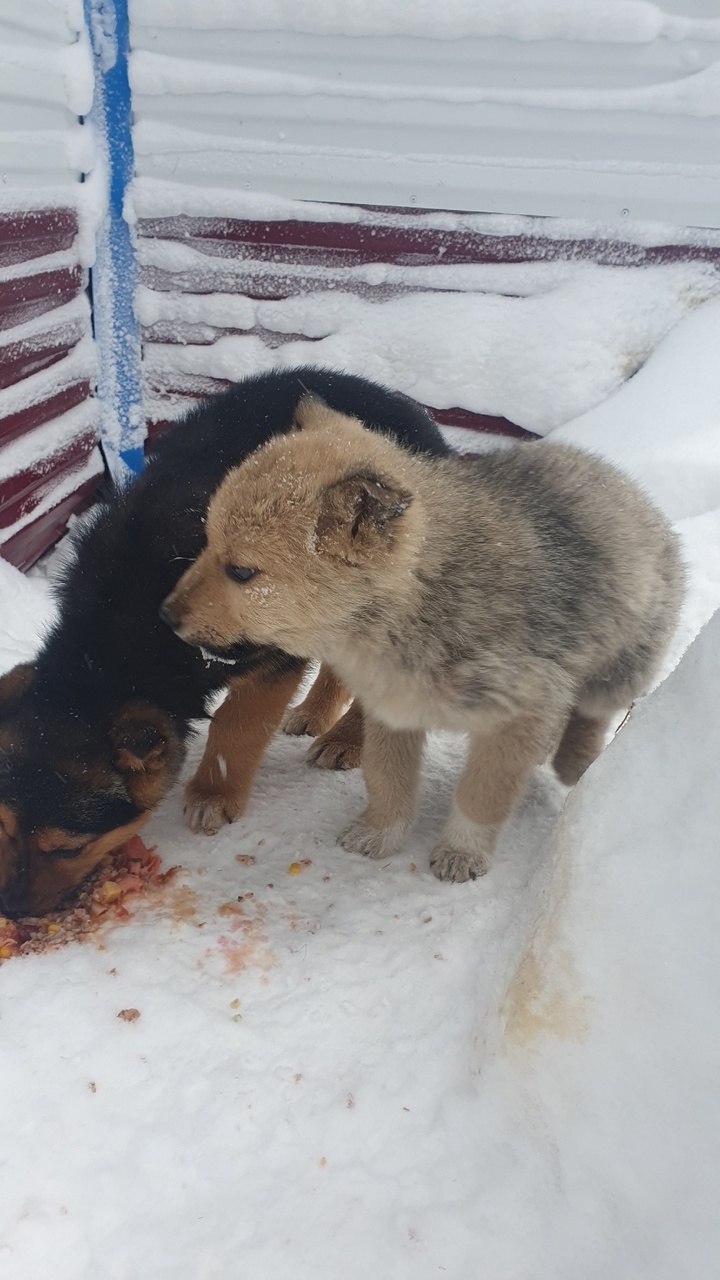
(166,614)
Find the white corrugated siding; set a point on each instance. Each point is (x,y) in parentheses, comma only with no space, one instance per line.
(45,85)
(628,128)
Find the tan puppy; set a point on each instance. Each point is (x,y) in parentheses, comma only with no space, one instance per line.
(521,597)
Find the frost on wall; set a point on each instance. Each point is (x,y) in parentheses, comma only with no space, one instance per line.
(48,437)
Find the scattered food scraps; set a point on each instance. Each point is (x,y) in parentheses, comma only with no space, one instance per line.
(296,867)
(129,1015)
(245,859)
(130,870)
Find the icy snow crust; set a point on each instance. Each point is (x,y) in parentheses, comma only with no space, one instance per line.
(357,1071)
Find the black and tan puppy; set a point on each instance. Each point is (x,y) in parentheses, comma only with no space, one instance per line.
(93,733)
(520,598)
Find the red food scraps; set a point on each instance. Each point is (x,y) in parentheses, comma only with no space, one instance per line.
(130,870)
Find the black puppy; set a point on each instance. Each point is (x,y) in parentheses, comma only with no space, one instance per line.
(93,733)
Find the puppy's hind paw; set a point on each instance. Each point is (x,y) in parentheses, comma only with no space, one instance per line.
(334,751)
(372,842)
(449,863)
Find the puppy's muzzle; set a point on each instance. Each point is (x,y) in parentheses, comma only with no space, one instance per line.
(168,616)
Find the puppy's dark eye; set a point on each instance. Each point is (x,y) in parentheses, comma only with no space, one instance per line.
(53,854)
(238,573)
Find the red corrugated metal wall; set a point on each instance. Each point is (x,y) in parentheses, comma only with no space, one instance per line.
(49,460)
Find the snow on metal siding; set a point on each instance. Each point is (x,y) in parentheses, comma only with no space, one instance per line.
(566,128)
(49,459)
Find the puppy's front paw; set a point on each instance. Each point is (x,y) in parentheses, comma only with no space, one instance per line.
(449,863)
(297,722)
(333,750)
(372,842)
(207,811)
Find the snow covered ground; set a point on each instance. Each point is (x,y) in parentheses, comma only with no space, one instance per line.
(358,1071)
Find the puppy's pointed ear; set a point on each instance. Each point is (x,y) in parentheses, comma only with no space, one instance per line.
(313,414)
(358,513)
(148,752)
(14,685)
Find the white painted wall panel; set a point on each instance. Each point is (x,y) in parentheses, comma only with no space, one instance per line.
(598,128)
(45,85)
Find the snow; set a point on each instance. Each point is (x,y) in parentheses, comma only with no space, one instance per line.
(610,1035)
(662,425)
(622,21)
(516,1078)
(27,610)
(587,108)
(66,324)
(159,198)
(49,491)
(359,1071)
(570,337)
(78,365)
(154,74)
(47,84)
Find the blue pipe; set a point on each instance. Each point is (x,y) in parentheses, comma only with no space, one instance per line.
(114,274)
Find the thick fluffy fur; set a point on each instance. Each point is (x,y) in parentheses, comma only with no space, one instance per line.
(93,733)
(521,598)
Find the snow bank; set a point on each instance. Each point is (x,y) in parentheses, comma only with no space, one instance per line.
(26,611)
(611,1034)
(663,428)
